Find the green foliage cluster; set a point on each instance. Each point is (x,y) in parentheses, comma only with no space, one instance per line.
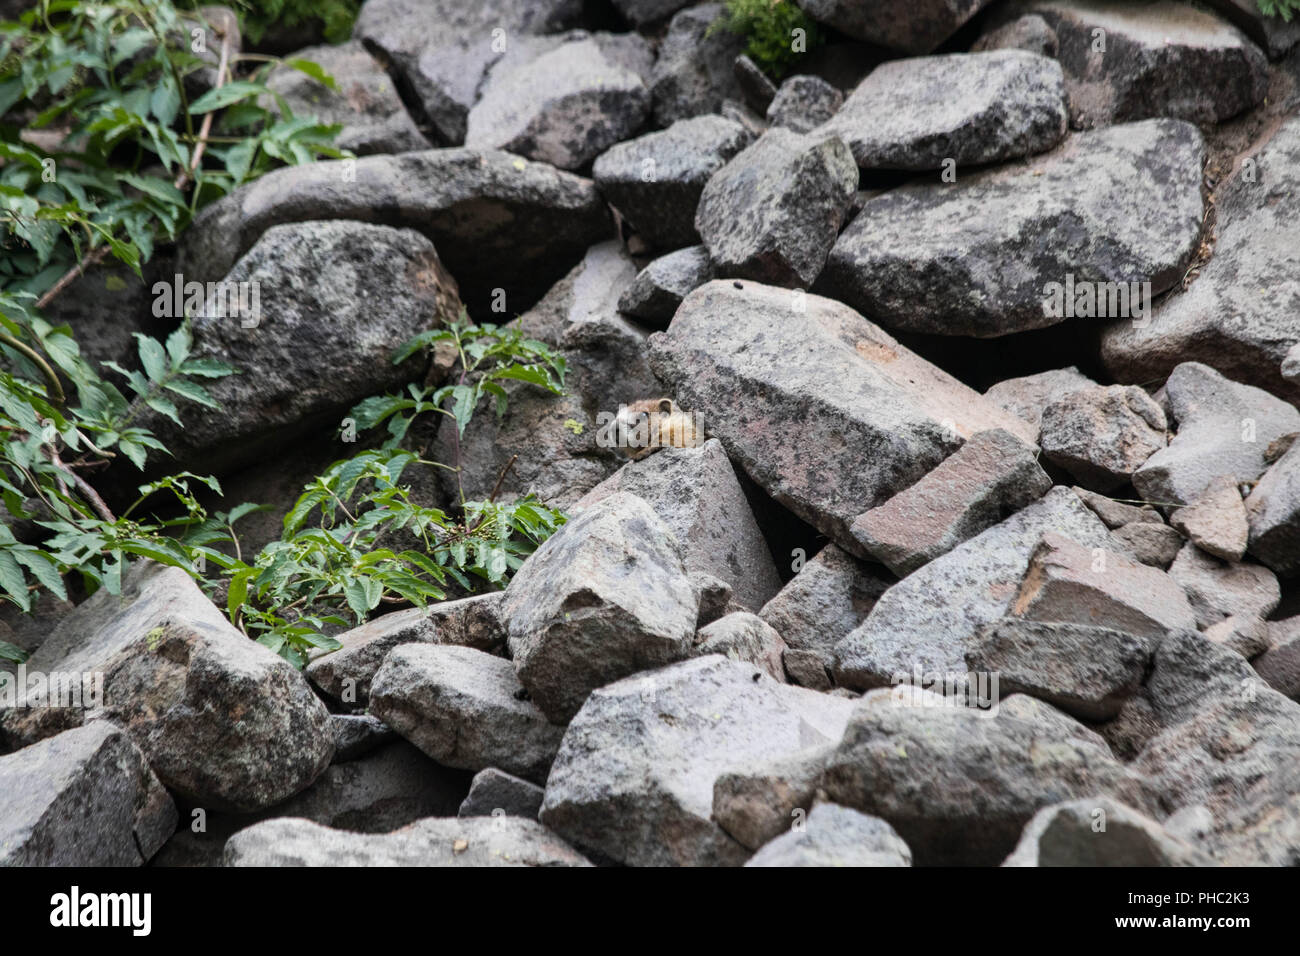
(769,28)
(104,152)
(1285,9)
(335,16)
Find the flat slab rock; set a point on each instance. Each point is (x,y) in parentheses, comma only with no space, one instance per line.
(970,108)
(975,257)
(930,619)
(731,341)
(437,841)
(634,777)
(1239,315)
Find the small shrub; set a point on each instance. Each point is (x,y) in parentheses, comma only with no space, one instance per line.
(769,27)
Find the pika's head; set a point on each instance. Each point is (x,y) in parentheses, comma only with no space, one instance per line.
(656,423)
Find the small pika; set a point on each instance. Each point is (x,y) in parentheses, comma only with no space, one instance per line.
(657,423)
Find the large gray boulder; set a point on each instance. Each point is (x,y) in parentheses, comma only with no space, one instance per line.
(311,278)
(223,721)
(694,491)
(693,73)
(970,108)
(1154,59)
(908,26)
(655,180)
(443,49)
(772,213)
(436,841)
(85,797)
(634,777)
(606,596)
(480,208)
(727,344)
(364,100)
(1238,316)
(464,708)
(1225,428)
(959,785)
(976,257)
(928,621)
(563,100)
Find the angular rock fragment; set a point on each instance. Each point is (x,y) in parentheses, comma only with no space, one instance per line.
(836,836)
(85,797)
(1026,397)
(1215,521)
(564,100)
(1117,514)
(994,252)
(1102,435)
(659,288)
(757,89)
(1224,429)
(803,103)
(926,622)
(1149,542)
(831,594)
(695,492)
(989,478)
(496,793)
(693,74)
(437,841)
(911,27)
(464,709)
(1086,671)
(1098,831)
(345,674)
(222,720)
(635,775)
(364,101)
(1244,633)
(1275,35)
(744,637)
(772,213)
(1219,589)
(605,597)
(1273,509)
(759,803)
(1030,32)
(1239,314)
(655,180)
(959,786)
(826,454)
(356,735)
(968,108)
(1070,583)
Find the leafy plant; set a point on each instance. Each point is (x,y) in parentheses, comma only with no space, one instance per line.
(336,16)
(769,28)
(1285,9)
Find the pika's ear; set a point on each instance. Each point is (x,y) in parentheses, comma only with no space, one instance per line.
(665,405)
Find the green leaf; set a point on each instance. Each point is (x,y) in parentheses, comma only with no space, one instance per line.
(314,70)
(226,95)
(152,357)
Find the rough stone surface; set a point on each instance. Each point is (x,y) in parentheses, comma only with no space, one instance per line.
(1027,396)
(832,593)
(356,735)
(759,803)
(563,101)
(604,597)
(1215,521)
(479,207)
(1149,542)
(695,492)
(803,103)
(747,638)
(1117,514)
(1086,671)
(1239,314)
(85,797)
(970,108)
(1275,35)
(1274,513)
(464,709)
(635,775)
(496,793)
(1098,831)
(655,180)
(772,213)
(959,786)
(1244,633)
(1219,589)
(1101,435)
(756,369)
(1161,59)
(1224,429)
(222,720)
(693,74)
(659,288)
(345,674)
(836,836)
(975,257)
(989,478)
(912,27)
(1069,582)
(437,841)
(929,619)
(1029,32)
(755,85)
(365,102)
